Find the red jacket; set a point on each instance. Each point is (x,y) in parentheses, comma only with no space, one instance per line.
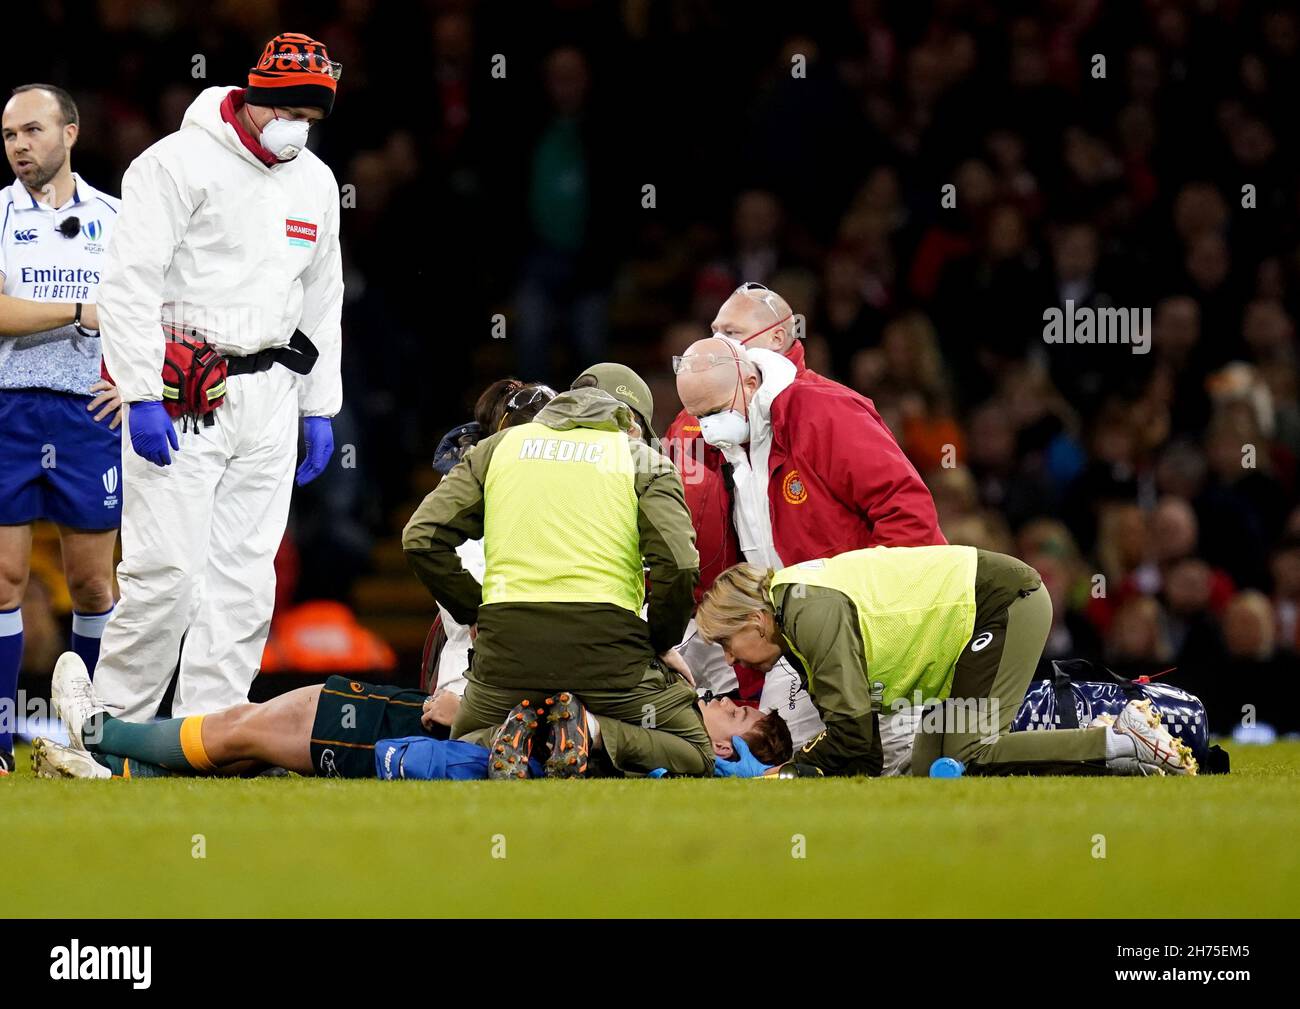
(838,479)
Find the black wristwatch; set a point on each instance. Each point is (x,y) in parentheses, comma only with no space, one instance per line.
(76,324)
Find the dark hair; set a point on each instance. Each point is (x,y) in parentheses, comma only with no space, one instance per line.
(495,409)
(491,406)
(769,740)
(67,107)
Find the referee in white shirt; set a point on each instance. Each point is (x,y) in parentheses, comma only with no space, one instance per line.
(60,450)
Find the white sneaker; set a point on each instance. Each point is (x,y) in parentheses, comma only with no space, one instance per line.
(73,696)
(50,760)
(1155,750)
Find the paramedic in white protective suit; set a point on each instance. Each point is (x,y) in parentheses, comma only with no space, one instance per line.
(229,229)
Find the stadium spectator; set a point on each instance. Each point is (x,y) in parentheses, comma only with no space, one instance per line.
(1047,546)
(1251,685)
(561,296)
(1189,596)
(1137,640)
(1286,593)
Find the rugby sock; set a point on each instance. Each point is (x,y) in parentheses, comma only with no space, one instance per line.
(11,659)
(1120,747)
(176,744)
(87,629)
(125,767)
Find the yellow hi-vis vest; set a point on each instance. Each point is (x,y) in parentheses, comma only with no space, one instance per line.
(560,519)
(916,612)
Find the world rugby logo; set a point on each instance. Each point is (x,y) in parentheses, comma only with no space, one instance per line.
(109,480)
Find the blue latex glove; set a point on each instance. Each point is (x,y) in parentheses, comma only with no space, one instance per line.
(746,765)
(318,434)
(151,432)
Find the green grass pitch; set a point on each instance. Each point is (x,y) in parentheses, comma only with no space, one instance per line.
(1019,847)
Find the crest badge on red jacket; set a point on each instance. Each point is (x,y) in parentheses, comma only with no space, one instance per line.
(793,489)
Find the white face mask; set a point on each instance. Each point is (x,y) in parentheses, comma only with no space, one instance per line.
(723,430)
(285,138)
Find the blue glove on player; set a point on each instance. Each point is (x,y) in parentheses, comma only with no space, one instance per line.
(318,434)
(746,765)
(151,432)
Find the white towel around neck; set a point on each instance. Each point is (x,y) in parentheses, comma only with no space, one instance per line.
(751,514)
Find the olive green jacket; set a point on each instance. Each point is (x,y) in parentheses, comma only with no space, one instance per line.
(562,645)
(823,625)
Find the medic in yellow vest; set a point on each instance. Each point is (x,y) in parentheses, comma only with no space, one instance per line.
(578,515)
(954,628)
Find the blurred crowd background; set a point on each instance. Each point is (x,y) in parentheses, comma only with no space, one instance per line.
(1156,493)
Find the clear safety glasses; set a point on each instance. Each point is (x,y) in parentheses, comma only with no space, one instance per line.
(529,395)
(761,292)
(312,62)
(684,364)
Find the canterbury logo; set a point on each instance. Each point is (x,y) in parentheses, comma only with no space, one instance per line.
(981,642)
(109,479)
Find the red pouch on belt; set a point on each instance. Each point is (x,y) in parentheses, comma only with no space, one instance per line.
(194,379)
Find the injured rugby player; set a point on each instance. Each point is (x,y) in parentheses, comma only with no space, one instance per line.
(332,729)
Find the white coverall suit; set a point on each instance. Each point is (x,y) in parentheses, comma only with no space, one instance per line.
(212,239)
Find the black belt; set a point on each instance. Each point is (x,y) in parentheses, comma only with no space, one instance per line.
(299,357)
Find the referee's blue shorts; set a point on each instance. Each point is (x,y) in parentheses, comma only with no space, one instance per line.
(57,462)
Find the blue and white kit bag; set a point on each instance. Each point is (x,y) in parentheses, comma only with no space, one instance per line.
(1080,690)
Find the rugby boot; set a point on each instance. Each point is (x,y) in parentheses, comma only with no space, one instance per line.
(1155,750)
(50,760)
(512,744)
(570,737)
(73,697)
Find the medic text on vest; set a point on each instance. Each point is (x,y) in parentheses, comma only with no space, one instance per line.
(561,450)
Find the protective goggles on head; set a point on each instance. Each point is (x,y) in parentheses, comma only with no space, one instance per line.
(311,62)
(761,292)
(528,395)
